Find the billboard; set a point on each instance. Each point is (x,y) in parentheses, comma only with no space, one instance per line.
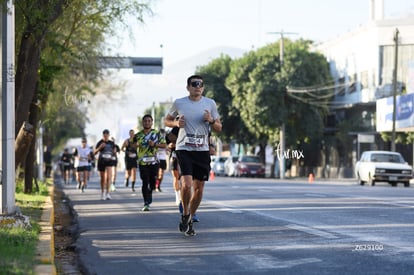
(404,119)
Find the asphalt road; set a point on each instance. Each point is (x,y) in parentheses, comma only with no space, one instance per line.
(250,226)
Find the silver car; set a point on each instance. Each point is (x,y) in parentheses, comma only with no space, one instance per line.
(383,166)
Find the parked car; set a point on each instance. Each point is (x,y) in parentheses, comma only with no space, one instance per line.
(383,166)
(217,165)
(249,166)
(230,166)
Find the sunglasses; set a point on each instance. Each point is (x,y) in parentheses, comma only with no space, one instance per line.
(197,84)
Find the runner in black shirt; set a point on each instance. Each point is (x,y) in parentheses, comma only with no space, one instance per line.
(131,159)
(106,149)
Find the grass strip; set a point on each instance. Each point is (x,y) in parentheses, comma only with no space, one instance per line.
(18,245)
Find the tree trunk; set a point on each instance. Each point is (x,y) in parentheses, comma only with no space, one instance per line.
(30,163)
(22,144)
(28,63)
(29,169)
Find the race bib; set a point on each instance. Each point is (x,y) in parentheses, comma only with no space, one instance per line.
(149,159)
(132,155)
(194,141)
(107,156)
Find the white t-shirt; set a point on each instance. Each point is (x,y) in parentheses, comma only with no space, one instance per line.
(162,153)
(82,154)
(195,135)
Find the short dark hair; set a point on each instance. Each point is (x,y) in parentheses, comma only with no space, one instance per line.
(147,115)
(192,77)
(106,131)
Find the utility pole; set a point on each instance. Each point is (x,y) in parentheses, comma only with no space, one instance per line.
(282,133)
(8,177)
(394,82)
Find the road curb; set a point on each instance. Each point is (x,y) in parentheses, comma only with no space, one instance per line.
(45,249)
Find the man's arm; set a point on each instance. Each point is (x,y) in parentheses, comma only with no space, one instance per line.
(170,121)
(216,125)
(124,145)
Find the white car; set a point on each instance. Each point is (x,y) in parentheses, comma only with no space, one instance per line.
(230,166)
(383,166)
(217,165)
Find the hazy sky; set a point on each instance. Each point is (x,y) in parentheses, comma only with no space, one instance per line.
(186,28)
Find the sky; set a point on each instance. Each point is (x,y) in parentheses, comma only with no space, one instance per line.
(187,32)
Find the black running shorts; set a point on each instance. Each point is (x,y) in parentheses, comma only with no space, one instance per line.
(131,163)
(195,163)
(163,164)
(102,164)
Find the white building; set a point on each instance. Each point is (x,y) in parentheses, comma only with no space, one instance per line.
(362,65)
(363,59)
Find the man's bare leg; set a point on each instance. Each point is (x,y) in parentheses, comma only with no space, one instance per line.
(197,196)
(186,185)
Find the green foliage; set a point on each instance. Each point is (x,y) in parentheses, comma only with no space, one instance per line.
(70,36)
(17,250)
(18,245)
(37,196)
(402,138)
(215,74)
(258,86)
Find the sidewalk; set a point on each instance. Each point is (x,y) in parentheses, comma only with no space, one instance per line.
(45,250)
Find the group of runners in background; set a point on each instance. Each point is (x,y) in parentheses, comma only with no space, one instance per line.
(190,120)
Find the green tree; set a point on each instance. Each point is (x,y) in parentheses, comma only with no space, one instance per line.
(215,74)
(60,38)
(259,88)
(306,110)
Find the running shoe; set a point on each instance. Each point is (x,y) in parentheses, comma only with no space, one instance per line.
(195,218)
(83,188)
(113,188)
(184,223)
(146,208)
(79,185)
(103,196)
(190,231)
(126,183)
(108,196)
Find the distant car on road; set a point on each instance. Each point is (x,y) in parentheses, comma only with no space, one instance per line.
(230,166)
(245,165)
(383,166)
(217,165)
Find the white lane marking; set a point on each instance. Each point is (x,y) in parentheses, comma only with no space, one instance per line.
(263,261)
(312,231)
